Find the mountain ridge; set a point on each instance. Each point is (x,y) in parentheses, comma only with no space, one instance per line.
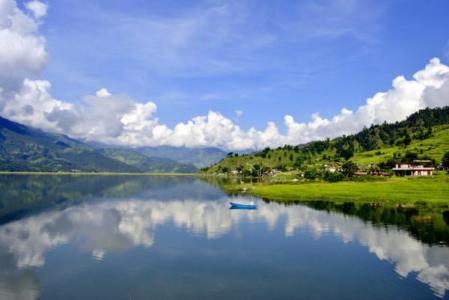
(200,157)
(24,148)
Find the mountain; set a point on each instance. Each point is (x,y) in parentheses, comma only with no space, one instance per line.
(424,134)
(147,164)
(23,148)
(200,157)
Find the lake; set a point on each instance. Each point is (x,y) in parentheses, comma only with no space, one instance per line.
(162,237)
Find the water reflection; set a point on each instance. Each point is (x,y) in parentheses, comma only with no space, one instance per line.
(24,287)
(127,215)
(115,226)
(24,195)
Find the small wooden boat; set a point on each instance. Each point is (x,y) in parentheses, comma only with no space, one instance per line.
(235,205)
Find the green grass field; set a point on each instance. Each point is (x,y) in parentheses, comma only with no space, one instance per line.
(392,191)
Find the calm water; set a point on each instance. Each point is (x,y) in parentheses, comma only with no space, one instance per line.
(176,238)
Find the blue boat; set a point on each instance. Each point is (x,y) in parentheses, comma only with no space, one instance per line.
(235,205)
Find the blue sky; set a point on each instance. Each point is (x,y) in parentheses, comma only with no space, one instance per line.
(266,58)
(230,74)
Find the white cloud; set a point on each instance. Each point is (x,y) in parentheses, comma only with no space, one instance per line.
(38,8)
(107,118)
(22,50)
(103,93)
(118,119)
(31,104)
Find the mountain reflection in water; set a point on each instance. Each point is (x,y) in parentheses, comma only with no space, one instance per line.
(102,228)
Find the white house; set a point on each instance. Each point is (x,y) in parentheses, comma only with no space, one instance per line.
(412,170)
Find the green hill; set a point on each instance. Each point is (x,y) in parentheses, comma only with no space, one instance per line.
(200,157)
(24,148)
(424,134)
(147,164)
(433,147)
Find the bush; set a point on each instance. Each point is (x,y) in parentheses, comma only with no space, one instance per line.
(409,157)
(445,160)
(246,173)
(333,177)
(281,167)
(346,152)
(310,174)
(349,168)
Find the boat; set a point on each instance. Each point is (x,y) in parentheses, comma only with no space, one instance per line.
(235,205)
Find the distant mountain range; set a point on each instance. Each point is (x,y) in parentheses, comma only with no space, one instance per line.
(200,157)
(23,148)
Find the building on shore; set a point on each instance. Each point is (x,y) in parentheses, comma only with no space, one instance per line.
(414,169)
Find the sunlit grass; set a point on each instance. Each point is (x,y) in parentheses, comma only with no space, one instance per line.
(391,191)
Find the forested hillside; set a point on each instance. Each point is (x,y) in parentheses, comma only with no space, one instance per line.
(424,134)
(23,148)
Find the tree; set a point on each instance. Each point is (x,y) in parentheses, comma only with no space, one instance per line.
(349,168)
(333,177)
(445,160)
(246,173)
(298,163)
(310,174)
(345,151)
(222,169)
(257,170)
(388,165)
(409,157)
(407,139)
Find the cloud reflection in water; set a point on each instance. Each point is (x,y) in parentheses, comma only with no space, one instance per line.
(115,226)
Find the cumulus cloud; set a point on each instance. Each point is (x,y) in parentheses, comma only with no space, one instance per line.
(118,119)
(22,49)
(104,117)
(32,103)
(37,8)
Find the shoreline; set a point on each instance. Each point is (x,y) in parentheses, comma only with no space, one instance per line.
(93,173)
(394,191)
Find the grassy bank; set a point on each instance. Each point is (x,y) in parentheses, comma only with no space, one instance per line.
(432,190)
(95,173)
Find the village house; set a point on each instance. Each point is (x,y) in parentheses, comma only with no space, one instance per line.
(414,169)
(329,168)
